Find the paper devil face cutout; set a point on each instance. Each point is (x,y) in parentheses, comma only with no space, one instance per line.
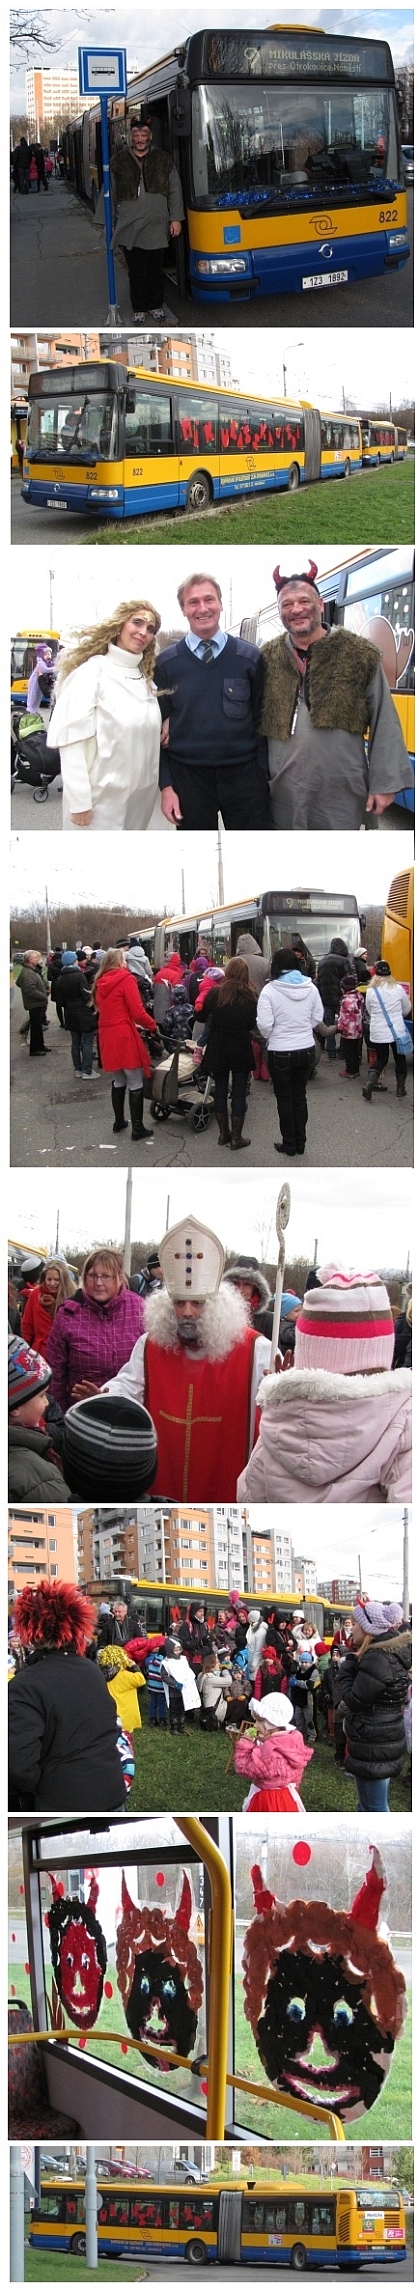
(310,1973)
(79,1954)
(159,1973)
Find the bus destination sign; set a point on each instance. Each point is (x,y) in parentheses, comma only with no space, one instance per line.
(264,55)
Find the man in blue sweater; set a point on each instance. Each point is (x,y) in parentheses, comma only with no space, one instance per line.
(210,688)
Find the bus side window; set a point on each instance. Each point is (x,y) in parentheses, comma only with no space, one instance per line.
(298,2213)
(322,2218)
(274,2215)
(173,2214)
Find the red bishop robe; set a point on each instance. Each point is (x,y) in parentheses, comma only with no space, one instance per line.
(201,1409)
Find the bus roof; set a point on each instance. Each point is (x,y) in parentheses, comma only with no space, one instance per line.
(56,381)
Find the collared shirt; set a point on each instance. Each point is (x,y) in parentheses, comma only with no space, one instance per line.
(197,643)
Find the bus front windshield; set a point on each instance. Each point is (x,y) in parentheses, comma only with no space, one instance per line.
(316,931)
(73,429)
(251,142)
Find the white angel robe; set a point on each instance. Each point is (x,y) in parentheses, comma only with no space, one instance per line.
(106,724)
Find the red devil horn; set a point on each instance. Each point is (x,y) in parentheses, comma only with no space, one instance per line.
(263,1899)
(93,1889)
(313,569)
(56,1886)
(126,1902)
(184,1913)
(366,1905)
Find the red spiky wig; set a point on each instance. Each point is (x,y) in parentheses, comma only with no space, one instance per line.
(55,1615)
(287,580)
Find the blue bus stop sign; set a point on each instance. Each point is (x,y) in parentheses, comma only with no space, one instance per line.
(103,73)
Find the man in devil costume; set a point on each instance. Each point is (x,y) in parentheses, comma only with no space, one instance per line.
(158,1971)
(314,1972)
(197,1370)
(78,1951)
(335,746)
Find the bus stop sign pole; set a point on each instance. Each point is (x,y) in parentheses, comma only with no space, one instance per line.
(103,72)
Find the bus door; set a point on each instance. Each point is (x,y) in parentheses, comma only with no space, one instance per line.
(230,2224)
(151,473)
(312,437)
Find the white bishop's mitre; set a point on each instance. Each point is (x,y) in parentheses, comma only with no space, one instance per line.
(192,1260)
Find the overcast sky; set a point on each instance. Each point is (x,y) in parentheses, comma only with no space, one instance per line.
(146,37)
(334,1536)
(87,584)
(153,879)
(360,1217)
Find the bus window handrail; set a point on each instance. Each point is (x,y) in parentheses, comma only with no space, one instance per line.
(199,2067)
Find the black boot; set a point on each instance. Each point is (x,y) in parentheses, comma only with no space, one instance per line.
(138,1126)
(237,1140)
(401,1090)
(223,1129)
(118,1101)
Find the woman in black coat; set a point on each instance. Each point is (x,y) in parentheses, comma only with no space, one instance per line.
(194,1636)
(63,1726)
(230,1011)
(370,1694)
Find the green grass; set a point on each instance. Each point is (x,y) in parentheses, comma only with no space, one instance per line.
(391,2112)
(189,1770)
(364,509)
(49,2267)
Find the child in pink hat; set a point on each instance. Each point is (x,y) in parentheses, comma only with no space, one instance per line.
(274,1756)
(337,1427)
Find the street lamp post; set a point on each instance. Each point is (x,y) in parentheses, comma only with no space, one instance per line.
(290,346)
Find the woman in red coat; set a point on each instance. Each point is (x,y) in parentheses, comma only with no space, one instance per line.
(123,1053)
(43,1302)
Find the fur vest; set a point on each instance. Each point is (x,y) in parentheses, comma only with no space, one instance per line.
(336,686)
(157,168)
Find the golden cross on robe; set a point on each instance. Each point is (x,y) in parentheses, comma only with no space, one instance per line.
(190,1421)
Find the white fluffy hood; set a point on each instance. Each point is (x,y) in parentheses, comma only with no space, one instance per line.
(224,1321)
(320,1385)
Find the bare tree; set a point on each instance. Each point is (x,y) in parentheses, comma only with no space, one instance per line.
(29,31)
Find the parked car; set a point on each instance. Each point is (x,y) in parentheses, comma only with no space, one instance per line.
(408,161)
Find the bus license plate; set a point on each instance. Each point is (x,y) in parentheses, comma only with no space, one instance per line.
(333,278)
(57,505)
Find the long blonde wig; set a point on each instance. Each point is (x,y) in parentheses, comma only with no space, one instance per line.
(90,641)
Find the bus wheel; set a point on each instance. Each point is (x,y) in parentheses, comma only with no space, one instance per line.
(199,493)
(196,2253)
(78,2244)
(298,2257)
(347,469)
(293,477)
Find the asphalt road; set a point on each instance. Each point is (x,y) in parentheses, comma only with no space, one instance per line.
(401,2270)
(58,1119)
(59,278)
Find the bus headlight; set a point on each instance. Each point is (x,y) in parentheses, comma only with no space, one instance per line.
(102,493)
(231,263)
(397,238)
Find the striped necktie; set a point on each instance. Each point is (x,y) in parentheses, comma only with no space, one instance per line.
(207,655)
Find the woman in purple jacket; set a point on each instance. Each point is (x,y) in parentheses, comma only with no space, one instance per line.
(93,1334)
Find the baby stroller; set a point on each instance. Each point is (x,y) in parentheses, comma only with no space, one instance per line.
(33,764)
(165,1086)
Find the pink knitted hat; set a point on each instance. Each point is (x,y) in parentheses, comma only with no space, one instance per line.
(345,1325)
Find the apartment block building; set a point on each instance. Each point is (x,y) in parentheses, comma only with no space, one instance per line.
(33,353)
(40,1543)
(52,95)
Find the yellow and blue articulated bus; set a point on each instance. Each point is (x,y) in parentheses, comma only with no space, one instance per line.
(282,2223)
(106,439)
(288,146)
(381,441)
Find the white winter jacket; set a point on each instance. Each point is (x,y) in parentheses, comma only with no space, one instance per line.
(396,1006)
(287,1013)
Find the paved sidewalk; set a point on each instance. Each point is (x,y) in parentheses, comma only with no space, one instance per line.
(58,263)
